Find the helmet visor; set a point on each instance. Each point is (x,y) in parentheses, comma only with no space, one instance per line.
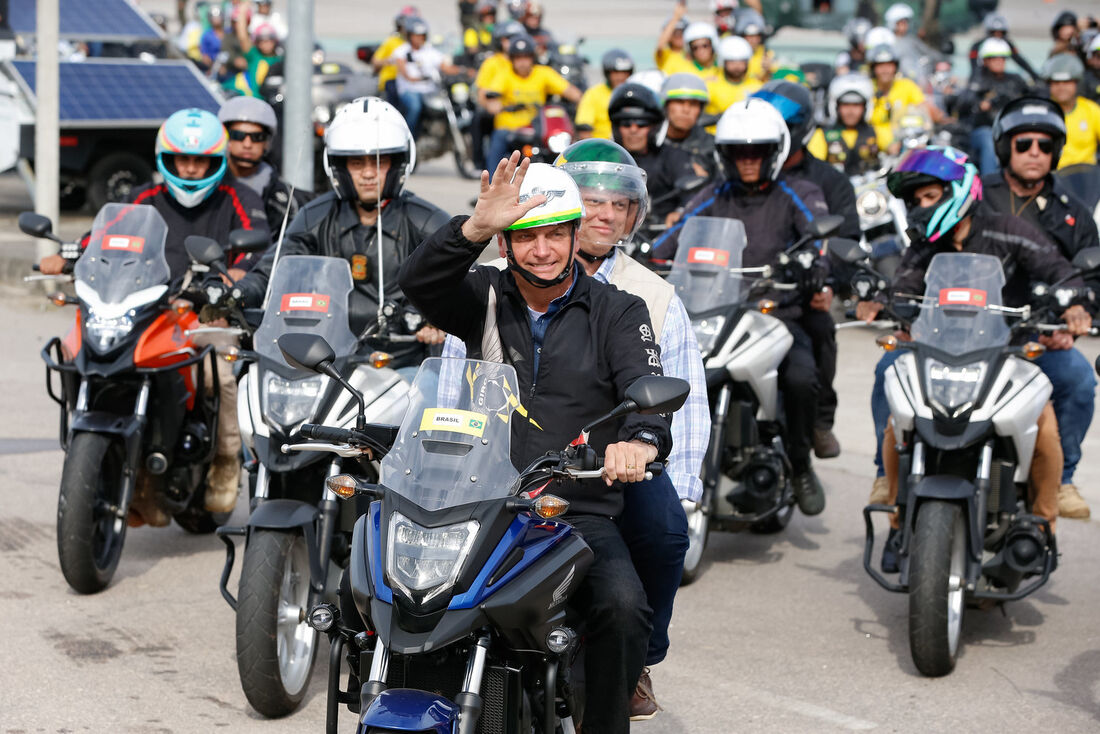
(615,201)
(930,163)
(792,112)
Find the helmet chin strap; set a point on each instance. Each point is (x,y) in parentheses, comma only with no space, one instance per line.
(595,258)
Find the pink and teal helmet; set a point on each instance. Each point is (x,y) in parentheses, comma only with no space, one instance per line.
(943,165)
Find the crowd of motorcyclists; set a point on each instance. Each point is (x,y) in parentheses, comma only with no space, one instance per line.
(723,130)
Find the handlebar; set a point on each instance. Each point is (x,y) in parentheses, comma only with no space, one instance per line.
(652,469)
(325,433)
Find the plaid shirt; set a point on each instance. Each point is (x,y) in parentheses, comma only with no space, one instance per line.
(679,358)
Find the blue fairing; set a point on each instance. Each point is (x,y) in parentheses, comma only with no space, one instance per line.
(534,535)
(382,592)
(403,709)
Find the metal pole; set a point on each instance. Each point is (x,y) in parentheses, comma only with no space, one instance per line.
(46,136)
(298,104)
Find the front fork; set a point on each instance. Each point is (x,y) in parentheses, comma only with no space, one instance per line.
(712,463)
(329,516)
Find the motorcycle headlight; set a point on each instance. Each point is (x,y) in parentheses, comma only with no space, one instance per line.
(287,403)
(871,205)
(322,114)
(706,332)
(103,334)
(559,142)
(460,93)
(424,562)
(953,390)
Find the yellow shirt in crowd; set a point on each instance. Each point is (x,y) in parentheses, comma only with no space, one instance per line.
(760,63)
(904,93)
(490,67)
(723,93)
(388,72)
(820,150)
(1082,133)
(532,89)
(592,111)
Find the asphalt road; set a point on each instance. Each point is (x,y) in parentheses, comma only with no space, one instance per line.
(782,633)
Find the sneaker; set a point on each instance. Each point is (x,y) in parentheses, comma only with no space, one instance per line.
(880,492)
(809,493)
(222,484)
(643,705)
(1071,503)
(890,551)
(825,444)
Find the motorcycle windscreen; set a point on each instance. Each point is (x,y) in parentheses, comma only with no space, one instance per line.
(125,253)
(710,247)
(958,312)
(454,444)
(309,294)
(1083,181)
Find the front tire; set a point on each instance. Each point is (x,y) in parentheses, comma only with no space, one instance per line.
(698,520)
(275,646)
(89,534)
(937,579)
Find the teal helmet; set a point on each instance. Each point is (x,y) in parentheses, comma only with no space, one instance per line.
(191,132)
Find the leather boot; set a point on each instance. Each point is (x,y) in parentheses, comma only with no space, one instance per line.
(145,508)
(222,483)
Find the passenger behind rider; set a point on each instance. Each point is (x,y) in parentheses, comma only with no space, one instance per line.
(751,27)
(591,118)
(1029,134)
(733,83)
(1063,74)
(514,95)
(259,51)
(369,154)
(894,94)
(419,65)
(383,61)
(684,96)
(195,200)
(849,142)
(853,60)
(586,343)
(795,104)
(943,194)
(753,142)
(481,128)
(636,116)
(989,90)
(251,126)
(478,37)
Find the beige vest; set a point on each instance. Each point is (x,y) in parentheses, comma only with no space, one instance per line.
(631,276)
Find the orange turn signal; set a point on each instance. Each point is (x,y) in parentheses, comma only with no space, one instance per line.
(229,354)
(766,306)
(380,359)
(181,307)
(59,299)
(527,151)
(888,342)
(1033,350)
(342,485)
(548,506)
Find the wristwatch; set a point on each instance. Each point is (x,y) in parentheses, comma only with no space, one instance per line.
(647,436)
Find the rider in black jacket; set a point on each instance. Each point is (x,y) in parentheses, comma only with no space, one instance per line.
(368,154)
(576,345)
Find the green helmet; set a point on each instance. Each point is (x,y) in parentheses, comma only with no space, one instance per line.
(606,173)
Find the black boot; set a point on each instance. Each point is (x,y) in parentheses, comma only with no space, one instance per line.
(808,492)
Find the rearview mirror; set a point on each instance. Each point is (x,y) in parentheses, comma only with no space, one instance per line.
(248,240)
(308,352)
(845,250)
(825,226)
(1086,260)
(655,394)
(689,184)
(203,250)
(35,225)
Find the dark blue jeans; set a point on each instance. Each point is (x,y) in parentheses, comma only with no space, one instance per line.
(880,409)
(613,604)
(654,526)
(981,144)
(1074,397)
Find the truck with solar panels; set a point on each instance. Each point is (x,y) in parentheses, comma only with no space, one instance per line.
(110,106)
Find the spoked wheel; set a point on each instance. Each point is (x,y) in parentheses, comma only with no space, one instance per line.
(275,646)
(90,525)
(937,580)
(698,518)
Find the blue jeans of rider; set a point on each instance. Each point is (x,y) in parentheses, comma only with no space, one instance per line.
(880,409)
(1074,397)
(655,529)
(981,142)
(411,106)
(498,148)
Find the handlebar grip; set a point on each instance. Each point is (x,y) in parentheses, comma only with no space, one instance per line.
(35,268)
(325,433)
(655,468)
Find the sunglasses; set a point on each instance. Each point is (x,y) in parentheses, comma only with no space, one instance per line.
(699,44)
(633,123)
(1023,145)
(241,136)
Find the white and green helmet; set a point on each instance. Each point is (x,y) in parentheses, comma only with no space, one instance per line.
(563,198)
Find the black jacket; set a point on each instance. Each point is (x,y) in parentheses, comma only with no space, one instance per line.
(840,197)
(864,156)
(774,218)
(664,167)
(277,198)
(1026,257)
(975,63)
(984,87)
(699,144)
(330,226)
(594,348)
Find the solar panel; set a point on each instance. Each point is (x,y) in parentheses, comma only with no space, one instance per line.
(123,93)
(88,20)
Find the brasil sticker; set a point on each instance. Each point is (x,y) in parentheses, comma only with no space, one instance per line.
(708,256)
(304,302)
(453,420)
(123,243)
(962,297)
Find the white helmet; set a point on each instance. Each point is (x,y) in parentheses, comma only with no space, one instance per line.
(879,36)
(1094,47)
(994,47)
(652,79)
(699,30)
(753,122)
(563,204)
(734,48)
(368,126)
(716,5)
(852,88)
(897,13)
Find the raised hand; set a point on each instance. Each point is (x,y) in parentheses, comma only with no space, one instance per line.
(498,205)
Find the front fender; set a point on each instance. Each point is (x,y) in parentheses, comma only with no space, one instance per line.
(126,427)
(951,489)
(282,515)
(405,709)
